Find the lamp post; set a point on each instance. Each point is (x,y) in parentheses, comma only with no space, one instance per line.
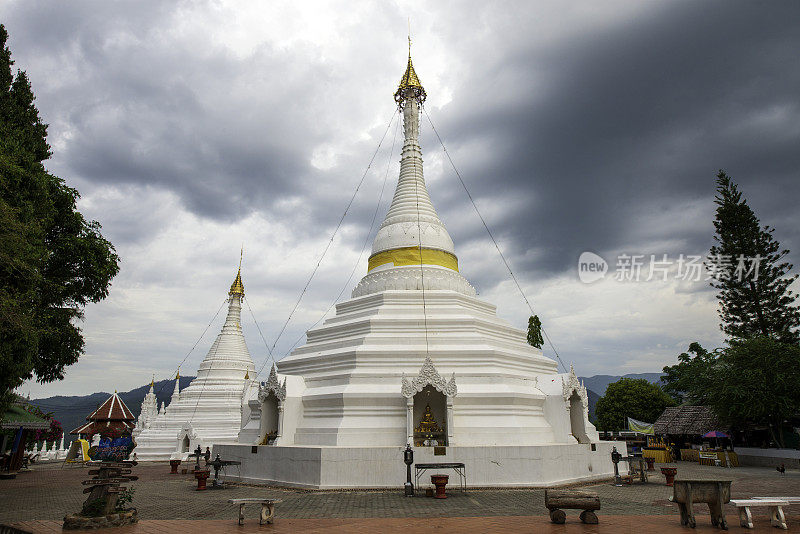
(198,451)
(408,458)
(615,457)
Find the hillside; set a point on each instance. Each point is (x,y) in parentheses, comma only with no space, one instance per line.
(599,383)
(72,411)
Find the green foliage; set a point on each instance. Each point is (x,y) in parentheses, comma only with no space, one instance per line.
(52,261)
(761,307)
(629,397)
(124,497)
(688,380)
(535,332)
(752,382)
(756,382)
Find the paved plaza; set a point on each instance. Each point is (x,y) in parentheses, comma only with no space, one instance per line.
(37,501)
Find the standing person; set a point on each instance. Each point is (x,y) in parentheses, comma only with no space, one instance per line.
(207,455)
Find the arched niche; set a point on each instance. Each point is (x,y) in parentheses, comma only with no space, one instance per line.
(430,418)
(428,387)
(185,444)
(270,419)
(271,394)
(576,419)
(577,401)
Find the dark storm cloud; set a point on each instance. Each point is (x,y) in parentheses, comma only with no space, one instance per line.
(599,139)
(192,126)
(137,103)
(611,133)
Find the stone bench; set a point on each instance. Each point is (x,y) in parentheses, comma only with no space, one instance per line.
(267,508)
(587,501)
(790,500)
(776,517)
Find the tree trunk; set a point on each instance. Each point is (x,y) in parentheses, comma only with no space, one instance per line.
(777,436)
(570,499)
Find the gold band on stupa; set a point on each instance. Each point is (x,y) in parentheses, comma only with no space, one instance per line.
(413,256)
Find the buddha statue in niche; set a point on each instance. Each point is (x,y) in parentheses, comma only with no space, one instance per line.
(427,424)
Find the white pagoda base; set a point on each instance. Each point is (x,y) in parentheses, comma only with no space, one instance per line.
(346,404)
(383,467)
(414,357)
(201,417)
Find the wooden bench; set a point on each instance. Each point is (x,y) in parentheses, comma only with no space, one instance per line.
(587,501)
(775,505)
(709,458)
(267,508)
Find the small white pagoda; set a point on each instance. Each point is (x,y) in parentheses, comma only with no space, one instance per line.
(415,358)
(209,409)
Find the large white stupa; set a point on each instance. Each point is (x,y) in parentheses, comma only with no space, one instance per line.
(209,409)
(415,358)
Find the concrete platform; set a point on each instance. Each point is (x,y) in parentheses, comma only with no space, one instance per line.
(383,467)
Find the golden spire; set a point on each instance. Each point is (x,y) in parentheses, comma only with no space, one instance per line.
(247,374)
(237,287)
(410,85)
(178,375)
(153,381)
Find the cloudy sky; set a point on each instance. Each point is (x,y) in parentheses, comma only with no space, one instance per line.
(193,128)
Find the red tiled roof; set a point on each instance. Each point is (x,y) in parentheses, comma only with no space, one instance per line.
(93,427)
(112,416)
(112,409)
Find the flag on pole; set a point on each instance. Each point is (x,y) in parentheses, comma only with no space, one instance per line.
(640,427)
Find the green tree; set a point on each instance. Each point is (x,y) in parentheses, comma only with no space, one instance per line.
(756,382)
(630,397)
(688,380)
(52,261)
(535,338)
(751,303)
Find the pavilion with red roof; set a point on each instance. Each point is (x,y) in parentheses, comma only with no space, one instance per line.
(111,419)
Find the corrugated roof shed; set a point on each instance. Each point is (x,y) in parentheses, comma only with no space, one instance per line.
(690,420)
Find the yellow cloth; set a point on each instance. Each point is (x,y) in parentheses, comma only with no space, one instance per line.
(411,256)
(660,456)
(724,457)
(733,459)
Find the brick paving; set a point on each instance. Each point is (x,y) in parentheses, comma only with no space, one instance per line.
(628,524)
(47,492)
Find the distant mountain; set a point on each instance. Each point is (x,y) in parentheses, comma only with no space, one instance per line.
(593,397)
(599,383)
(596,385)
(72,412)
